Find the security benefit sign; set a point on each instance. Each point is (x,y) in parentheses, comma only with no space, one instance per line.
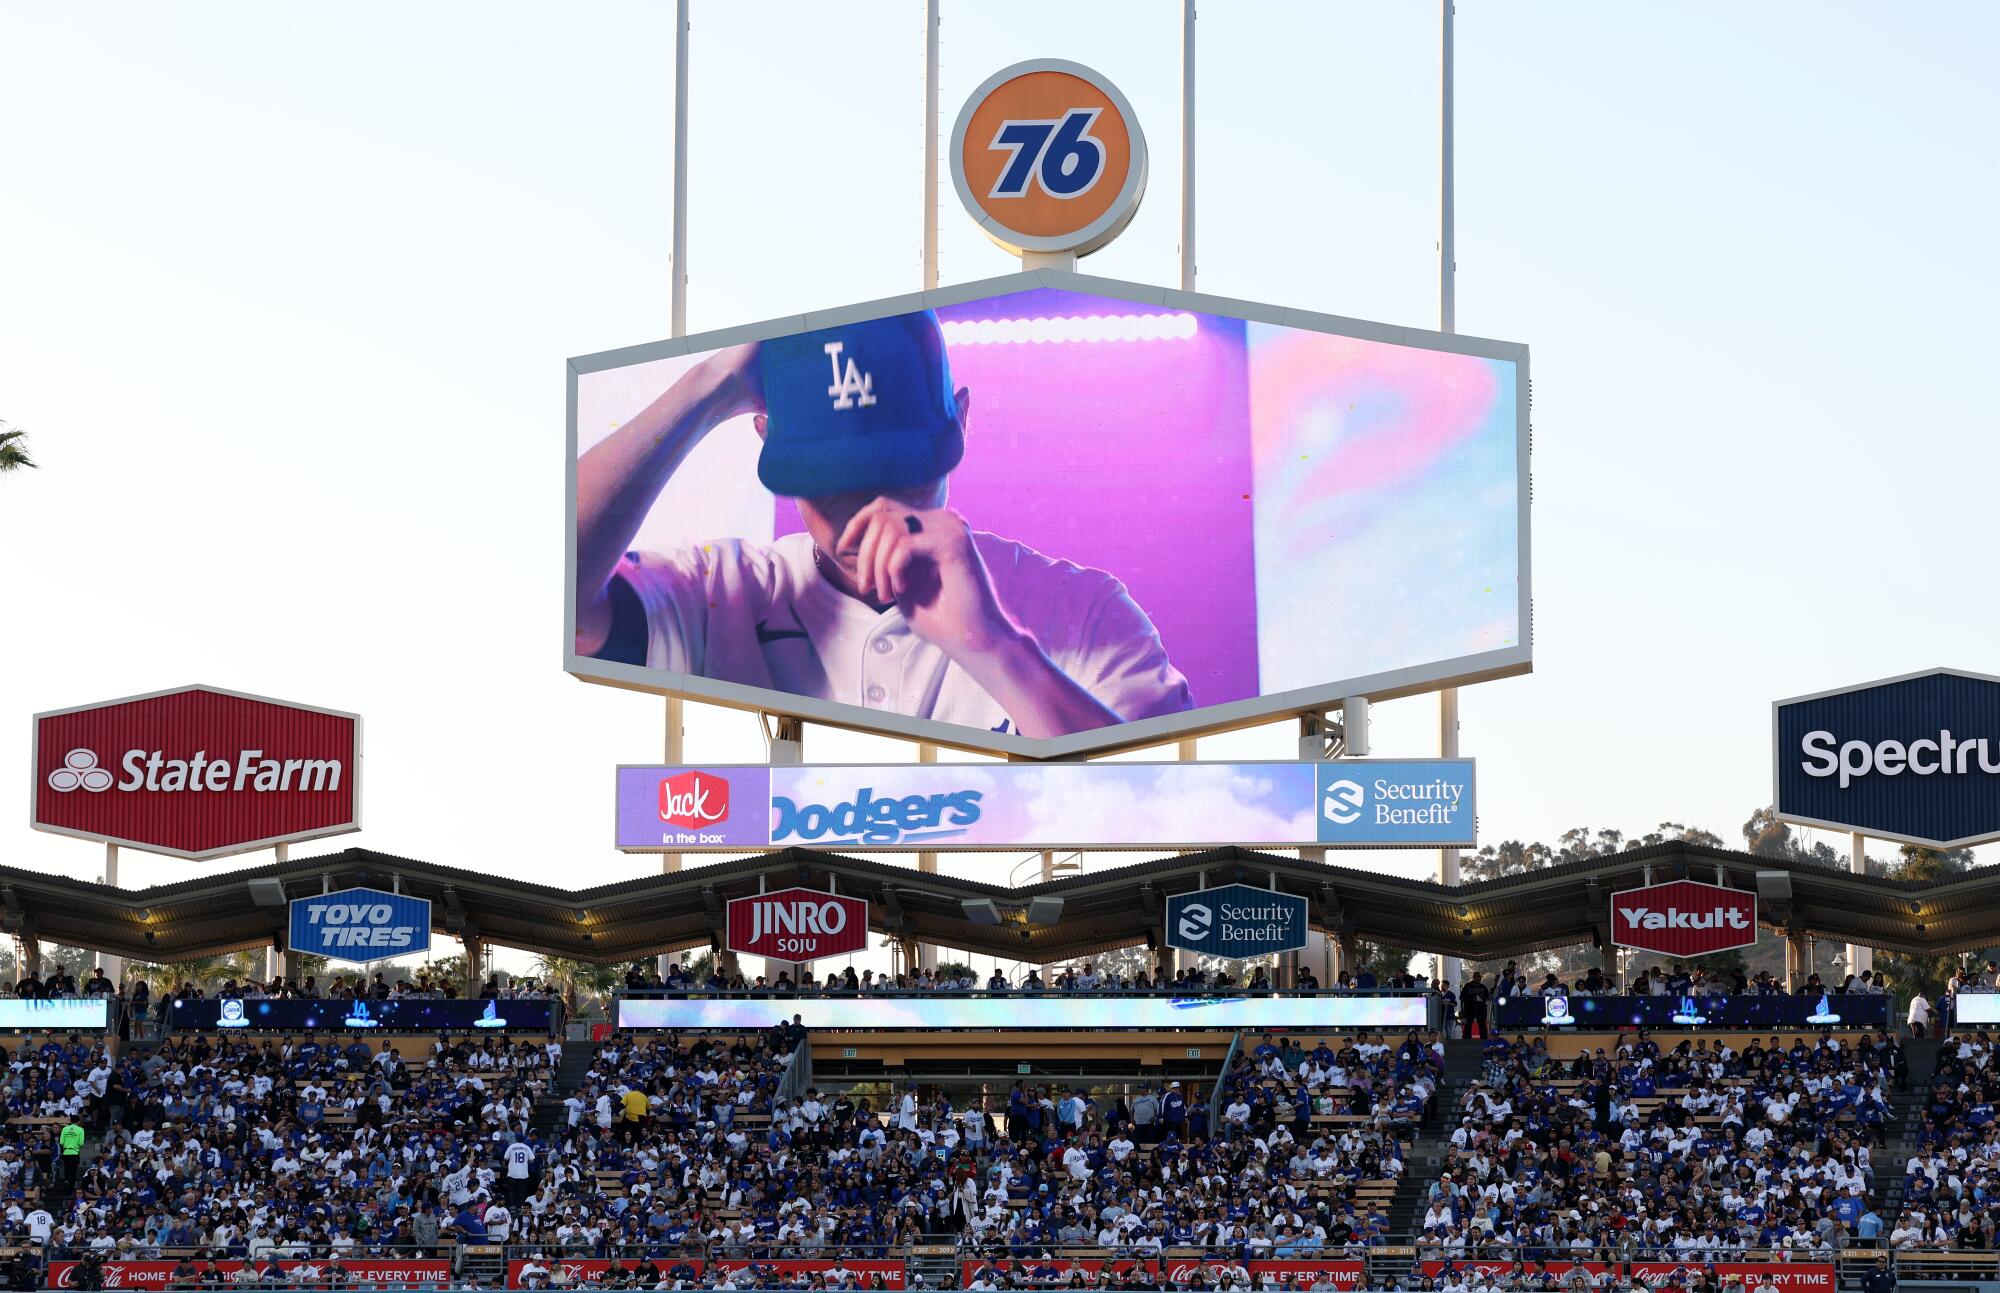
(360,925)
(1684,918)
(1914,758)
(1236,921)
(797,925)
(1397,803)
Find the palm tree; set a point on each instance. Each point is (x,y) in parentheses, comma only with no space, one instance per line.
(13,449)
(577,978)
(203,971)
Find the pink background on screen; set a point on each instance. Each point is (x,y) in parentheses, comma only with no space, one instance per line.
(1129,456)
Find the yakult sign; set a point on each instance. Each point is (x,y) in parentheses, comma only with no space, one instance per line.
(197,772)
(1684,918)
(797,925)
(360,925)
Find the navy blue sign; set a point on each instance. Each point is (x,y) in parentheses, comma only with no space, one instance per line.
(336,1015)
(1915,759)
(1236,921)
(360,925)
(1813,1010)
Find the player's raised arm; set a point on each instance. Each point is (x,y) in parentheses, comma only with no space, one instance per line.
(620,476)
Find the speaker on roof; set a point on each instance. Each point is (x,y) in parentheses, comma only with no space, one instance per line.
(980,911)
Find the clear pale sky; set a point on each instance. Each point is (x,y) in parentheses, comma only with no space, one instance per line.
(286,290)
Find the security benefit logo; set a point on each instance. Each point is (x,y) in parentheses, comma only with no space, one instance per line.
(1425,802)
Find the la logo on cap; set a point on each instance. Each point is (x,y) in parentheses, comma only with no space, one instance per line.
(1047,156)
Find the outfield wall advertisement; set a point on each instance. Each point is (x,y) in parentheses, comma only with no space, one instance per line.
(1356,803)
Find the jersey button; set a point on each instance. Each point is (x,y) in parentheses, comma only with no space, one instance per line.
(883,646)
(875,693)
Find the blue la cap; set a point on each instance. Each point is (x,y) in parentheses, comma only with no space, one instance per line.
(864,406)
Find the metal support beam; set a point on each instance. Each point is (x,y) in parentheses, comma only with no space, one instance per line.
(1859,957)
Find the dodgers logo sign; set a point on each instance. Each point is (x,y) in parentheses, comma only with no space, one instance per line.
(360,925)
(1236,921)
(1914,758)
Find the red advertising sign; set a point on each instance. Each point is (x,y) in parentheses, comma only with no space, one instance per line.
(360,1270)
(1496,1267)
(693,800)
(1790,1277)
(578,1269)
(1056,1269)
(864,1271)
(797,925)
(197,772)
(1343,1275)
(1684,918)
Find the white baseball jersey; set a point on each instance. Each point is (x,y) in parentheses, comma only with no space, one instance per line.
(766,617)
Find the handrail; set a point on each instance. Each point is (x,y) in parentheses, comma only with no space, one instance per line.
(798,1075)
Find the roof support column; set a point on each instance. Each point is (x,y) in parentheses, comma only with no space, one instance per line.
(475,957)
(1795,959)
(1859,958)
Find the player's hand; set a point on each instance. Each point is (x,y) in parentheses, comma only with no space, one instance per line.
(924,560)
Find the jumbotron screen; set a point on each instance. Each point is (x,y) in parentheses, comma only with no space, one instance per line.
(1046,516)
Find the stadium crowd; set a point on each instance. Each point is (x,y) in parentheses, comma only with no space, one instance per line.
(676,1152)
(1696,1152)
(262,1149)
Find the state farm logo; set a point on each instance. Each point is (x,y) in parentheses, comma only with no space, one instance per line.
(1684,918)
(80,772)
(152,770)
(693,800)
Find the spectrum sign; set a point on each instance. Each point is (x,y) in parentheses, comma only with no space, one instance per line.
(197,772)
(878,808)
(1914,759)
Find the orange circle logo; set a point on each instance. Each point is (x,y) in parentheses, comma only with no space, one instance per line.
(1048,157)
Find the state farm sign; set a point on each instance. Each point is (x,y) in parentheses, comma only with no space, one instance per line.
(1684,918)
(797,925)
(197,772)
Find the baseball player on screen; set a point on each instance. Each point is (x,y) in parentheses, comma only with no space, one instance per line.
(890,599)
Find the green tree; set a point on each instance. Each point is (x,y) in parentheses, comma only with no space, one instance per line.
(205,972)
(13,449)
(1928,974)
(585,986)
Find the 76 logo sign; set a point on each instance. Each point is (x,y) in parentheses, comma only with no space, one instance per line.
(1062,156)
